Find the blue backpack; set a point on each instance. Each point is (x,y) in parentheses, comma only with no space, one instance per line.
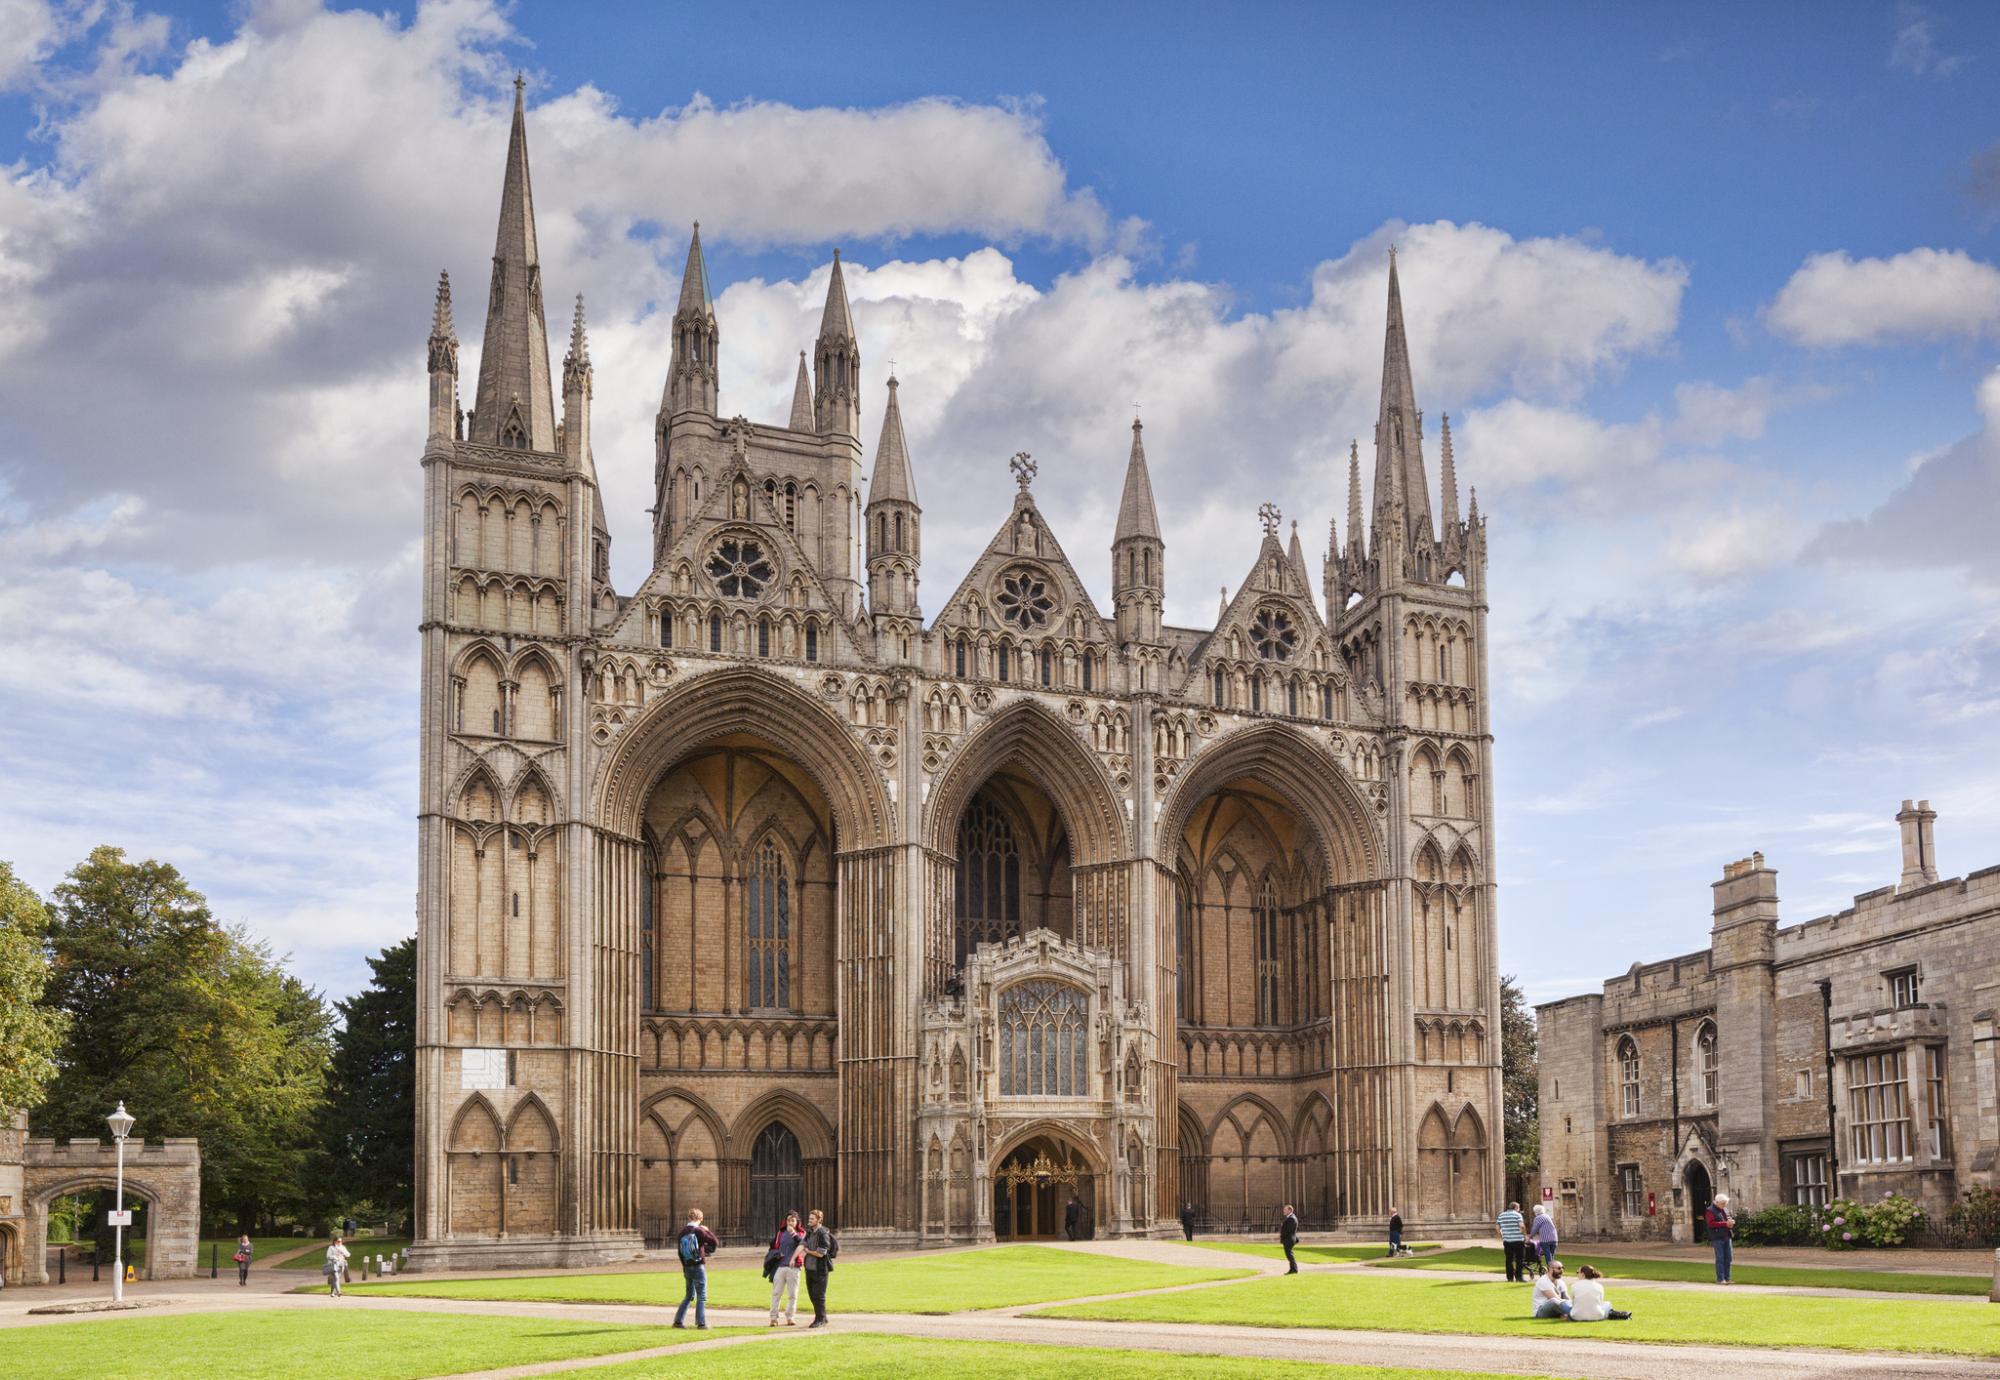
(690,1249)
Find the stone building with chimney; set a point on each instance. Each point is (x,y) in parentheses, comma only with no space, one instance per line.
(1848,1056)
(762,886)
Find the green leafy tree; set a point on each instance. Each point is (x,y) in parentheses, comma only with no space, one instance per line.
(371,1107)
(31,1032)
(199,1031)
(1520,1074)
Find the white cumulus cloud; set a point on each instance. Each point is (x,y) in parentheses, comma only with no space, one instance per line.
(1920,294)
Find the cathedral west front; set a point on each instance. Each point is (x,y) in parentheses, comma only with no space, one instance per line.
(784,880)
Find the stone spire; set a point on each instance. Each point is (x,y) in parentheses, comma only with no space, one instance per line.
(837,371)
(576,395)
(802,400)
(1357,533)
(1138,556)
(693,382)
(1297,553)
(894,536)
(513,406)
(443,366)
(1399,429)
(1447,482)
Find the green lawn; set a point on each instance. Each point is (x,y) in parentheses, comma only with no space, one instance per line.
(865,1357)
(1387,1303)
(282,1344)
(947,1282)
(358,1247)
(1702,1272)
(267,1246)
(1343,1253)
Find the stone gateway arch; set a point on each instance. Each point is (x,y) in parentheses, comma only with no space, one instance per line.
(757,888)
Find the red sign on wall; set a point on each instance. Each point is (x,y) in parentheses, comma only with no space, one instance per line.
(1651,1206)
(1547,1193)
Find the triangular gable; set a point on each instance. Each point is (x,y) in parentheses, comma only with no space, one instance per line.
(717,513)
(1275,579)
(1024,539)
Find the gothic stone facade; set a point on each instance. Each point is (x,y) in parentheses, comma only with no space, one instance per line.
(1849,1056)
(754,888)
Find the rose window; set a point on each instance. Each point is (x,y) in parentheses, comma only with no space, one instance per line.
(740,568)
(1272,634)
(1024,599)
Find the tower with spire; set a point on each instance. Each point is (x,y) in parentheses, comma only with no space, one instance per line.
(753,850)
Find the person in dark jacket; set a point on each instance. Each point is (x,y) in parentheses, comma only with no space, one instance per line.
(696,1244)
(242,1259)
(1288,1237)
(1187,1220)
(1072,1217)
(1722,1236)
(1395,1232)
(820,1250)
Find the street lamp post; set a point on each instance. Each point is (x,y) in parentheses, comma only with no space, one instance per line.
(121,1127)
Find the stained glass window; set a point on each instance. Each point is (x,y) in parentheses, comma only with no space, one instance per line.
(1024,599)
(1272,634)
(989,880)
(740,568)
(770,929)
(1043,1044)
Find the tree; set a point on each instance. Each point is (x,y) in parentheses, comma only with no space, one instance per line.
(31,1032)
(1520,1079)
(371,1108)
(199,1031)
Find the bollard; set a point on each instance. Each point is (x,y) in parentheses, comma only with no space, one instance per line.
(93,1267)
(212,1248)
(62,1266)
(1995,1295)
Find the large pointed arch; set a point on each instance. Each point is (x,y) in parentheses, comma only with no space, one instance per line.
(1300,770)
(1032,738)
(746,700)
(801,1118)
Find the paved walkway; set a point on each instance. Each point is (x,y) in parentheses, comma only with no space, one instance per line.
(1570,1356)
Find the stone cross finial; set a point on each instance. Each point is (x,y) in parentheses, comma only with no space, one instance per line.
(1023,466)
(1270,515)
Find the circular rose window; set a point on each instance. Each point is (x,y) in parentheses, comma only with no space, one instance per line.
(1272,634)
(1024,599)
(740,568)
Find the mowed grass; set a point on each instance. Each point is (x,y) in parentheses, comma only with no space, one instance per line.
(225,1246)
(1703,1272)
(1405,1303)
(865,1357)
(1343,1253)
(947,1282)
(283,1344)
(358,1247)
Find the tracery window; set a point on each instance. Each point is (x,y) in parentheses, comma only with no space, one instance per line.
(1183,954)
(1267,953)
(1218,687)
(1048,666)
(740,568)
(959,661)
(1628,1074)
(1043,1044)
(770,929)
(1708,1064)
(1272,634)
(989,880)
(715,632)
(812,642)
(1024,599)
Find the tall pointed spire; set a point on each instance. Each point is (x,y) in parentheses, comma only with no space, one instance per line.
(576,404)
(1399,456)
(1357,533)
(837,364)
(579,342)
(1137,515)
(443,366)
(891,480)
(1447,483)
(514,406)
(693,381)
(802,399)
(1297,552)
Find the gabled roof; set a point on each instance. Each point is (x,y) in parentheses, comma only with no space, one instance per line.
(1024,528)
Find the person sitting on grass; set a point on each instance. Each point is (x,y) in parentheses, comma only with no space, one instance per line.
(1587,1301)
(1551,1296)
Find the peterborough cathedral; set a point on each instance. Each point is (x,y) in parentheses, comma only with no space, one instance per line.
(761,886)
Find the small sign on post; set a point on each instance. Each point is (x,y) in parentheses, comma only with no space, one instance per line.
(120,1217)
(1548,1193)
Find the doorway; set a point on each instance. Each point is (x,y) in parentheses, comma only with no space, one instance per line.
(1032,1189)
(1700,1195)
(776,1180)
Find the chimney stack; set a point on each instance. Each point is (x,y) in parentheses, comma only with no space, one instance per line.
(1919,845)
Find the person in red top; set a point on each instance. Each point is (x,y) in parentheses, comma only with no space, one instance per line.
(1721,1235)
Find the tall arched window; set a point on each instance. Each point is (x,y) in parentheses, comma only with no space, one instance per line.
(1708,1065)
(1256,694)
(666,627)
(770,929)
(763,637)
(1086,671)
(959,660)
(1218,687)
(715,632)
(1048,665)
(1628,1074)
(812,642)
(989,880)
(1043,1040)
(1267,953)
(1183,954)
(646,941)
(1003,662)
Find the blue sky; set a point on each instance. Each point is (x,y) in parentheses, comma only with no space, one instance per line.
(1708,291)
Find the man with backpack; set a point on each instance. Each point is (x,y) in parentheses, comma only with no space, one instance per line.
(821,1247)
(697,1244)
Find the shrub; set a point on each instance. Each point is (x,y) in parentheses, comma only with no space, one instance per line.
(1977,1216)
(1891,1221)
(1843,1225)
(1781,1225)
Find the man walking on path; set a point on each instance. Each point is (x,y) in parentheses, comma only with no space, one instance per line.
(1072,1217)
(697,1244)
(1187,1220)
(820,1249)
(1513,1242)
(1721,1235)
(1288,1237)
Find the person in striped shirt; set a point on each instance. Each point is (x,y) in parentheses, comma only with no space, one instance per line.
(1513,1242)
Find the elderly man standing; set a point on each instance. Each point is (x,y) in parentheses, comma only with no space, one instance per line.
(1513,1242)
(1288,1237)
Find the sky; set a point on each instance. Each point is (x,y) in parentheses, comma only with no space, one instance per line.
(1709,292)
